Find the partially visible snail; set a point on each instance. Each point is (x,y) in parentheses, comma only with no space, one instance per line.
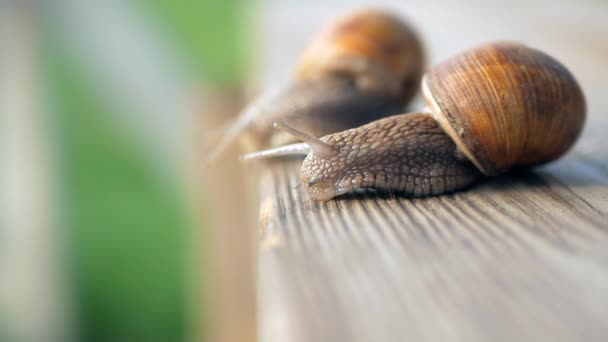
(489,109)
(360,67)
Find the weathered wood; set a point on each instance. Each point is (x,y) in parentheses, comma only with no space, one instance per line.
(518,257)
(521,256)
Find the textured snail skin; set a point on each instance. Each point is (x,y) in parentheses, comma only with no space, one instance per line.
(406,153)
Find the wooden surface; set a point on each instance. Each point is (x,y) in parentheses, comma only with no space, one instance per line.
(518,257)
(224,243)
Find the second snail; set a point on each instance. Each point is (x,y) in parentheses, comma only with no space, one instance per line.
(359,67)
(489,109)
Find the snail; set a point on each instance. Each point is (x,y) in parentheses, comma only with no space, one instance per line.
(492,108)
(362,66)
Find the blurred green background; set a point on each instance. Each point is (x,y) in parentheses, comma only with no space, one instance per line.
(127,224)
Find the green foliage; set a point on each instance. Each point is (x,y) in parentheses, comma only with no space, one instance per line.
(126,226)
(208,33)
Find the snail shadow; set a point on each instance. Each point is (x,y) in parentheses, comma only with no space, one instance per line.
(569,173)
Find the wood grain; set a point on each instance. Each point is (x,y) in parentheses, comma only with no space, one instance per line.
(519,257)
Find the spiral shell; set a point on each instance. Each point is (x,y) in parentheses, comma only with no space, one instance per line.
(506,105)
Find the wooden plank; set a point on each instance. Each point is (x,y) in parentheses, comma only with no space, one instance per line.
(225,241)
(521,256)
(518,257)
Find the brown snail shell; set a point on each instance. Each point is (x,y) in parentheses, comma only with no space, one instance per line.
(506,105)
(376,46)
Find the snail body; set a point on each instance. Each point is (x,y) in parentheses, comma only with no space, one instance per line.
(407,153)
(360,67)
(492,108)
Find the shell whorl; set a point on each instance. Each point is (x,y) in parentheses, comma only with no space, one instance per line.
(506,105)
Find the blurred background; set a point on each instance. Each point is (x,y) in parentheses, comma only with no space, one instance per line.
(100,237)
(109,228)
